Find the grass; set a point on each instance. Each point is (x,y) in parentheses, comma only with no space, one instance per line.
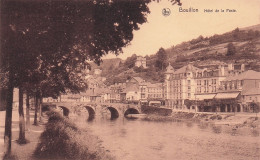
(10,157)
(61,139)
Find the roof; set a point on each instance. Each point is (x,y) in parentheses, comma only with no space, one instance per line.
(205,96)
(154,85)
(186,68)
(253,91)
(250,74)
(131,88)
(96,92)
(227,95)
(138,79)
(169,69)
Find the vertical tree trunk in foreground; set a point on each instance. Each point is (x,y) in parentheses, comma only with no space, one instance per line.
(21,139)
(8,121)
(40,107)
(27,111)
(36,111)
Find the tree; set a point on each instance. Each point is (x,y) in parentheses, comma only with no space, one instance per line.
(255,107)
(235,33)
(231,49)
(130,61)
(161,59)
(59,36)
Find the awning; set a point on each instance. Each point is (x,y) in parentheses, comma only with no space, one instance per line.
(230,95)
(204,96)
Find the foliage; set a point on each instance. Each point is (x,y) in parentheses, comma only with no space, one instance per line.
(255,107)
(231,49)
(161,59)
(44,43)
(156,110)
(130,61)
(56,44)
(139,69)
(61,139)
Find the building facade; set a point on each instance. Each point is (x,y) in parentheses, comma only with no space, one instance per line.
(223,88)
(140,61)
(180,85)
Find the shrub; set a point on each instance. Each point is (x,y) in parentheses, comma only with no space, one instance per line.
(61,139)
(156,110)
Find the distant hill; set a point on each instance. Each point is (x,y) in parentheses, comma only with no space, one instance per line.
(254,27)
(214,48)
(201,52)
(106,64)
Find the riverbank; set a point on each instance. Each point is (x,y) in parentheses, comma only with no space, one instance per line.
(60,132)
(233,120)
(62,139)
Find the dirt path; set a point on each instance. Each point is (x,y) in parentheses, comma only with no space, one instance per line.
(23,152)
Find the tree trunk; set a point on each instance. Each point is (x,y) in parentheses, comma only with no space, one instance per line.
(27,111)
(8,120)
(40,107)
(21,139)
(36,111)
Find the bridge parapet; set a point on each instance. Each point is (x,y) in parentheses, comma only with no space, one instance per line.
(98,108)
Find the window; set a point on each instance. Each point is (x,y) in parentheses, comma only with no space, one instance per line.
(188,95)
(188,87)
(199,89)
(205,82)
(214,89)
(199,82)
(188,82)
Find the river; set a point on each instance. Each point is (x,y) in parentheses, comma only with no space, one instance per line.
(146,140)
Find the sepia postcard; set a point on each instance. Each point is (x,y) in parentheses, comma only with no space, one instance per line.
(130,79)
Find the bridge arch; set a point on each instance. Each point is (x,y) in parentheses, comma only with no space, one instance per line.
(131,111)
(65,111)
(91,112)
(114,112)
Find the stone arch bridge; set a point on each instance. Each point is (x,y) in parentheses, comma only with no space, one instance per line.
(94,109)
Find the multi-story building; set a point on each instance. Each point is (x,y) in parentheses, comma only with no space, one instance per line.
(208,81)
(140,61)
(237,92)
(203,86)
(135,89)
(116,90)
(154,91)
(180,85)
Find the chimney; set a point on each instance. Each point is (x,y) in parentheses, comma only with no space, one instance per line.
(221,70)
(242,67)
(230,66)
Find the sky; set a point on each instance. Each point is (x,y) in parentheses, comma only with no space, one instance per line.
(166,31)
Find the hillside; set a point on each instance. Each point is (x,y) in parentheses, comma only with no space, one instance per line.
(201,52)
(106,64)
(254,27)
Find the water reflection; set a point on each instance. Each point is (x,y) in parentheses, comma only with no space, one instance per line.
(189,124)
(130,139)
